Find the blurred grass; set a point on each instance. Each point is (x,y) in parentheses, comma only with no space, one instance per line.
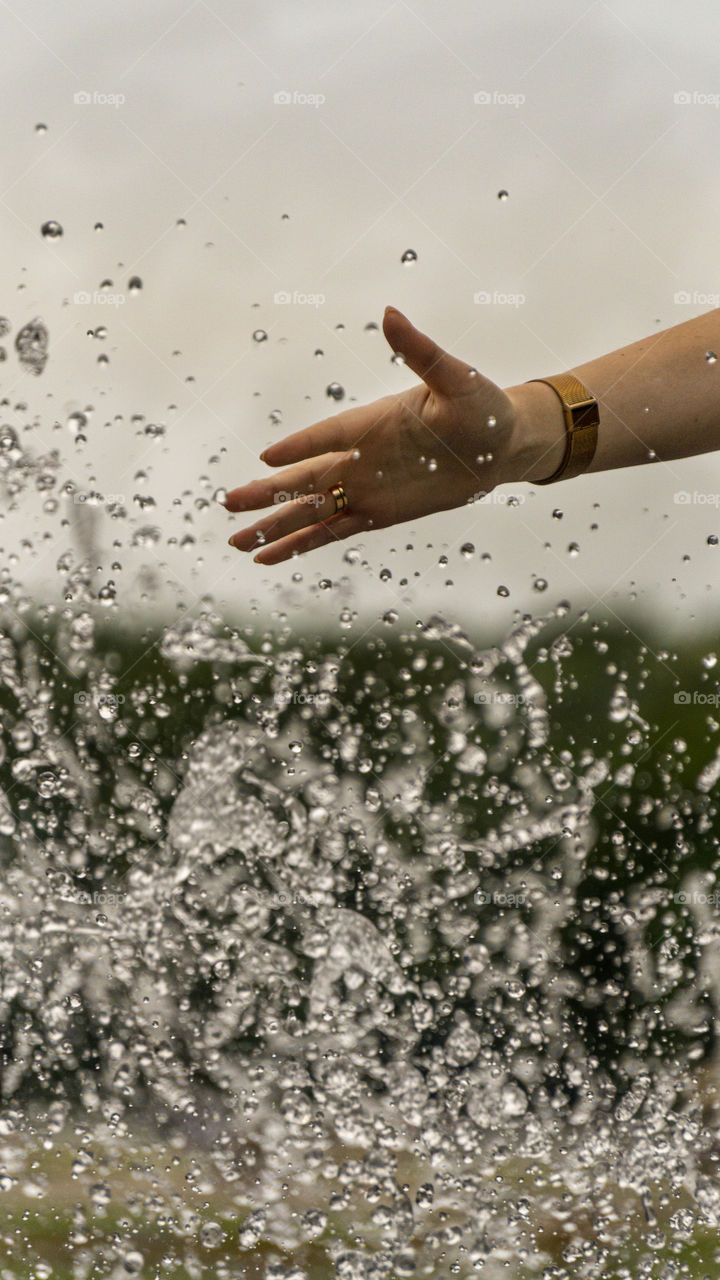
(664,819)
(49,1226)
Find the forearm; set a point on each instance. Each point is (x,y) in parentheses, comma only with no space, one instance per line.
(658,398)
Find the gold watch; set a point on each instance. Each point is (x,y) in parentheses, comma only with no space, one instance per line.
(581,425)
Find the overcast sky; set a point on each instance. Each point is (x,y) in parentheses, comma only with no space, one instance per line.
(306,148)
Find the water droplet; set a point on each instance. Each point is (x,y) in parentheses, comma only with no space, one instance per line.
(712,539)
(99,226)
(5,326)
(51,230)
(76,422)
(540,584)
(409,256)
(314,1222)
(385,575)
(41,128)
(492,421)
(503,591)
(219,496)
(558,514)
(135,284)
(710,357)
(467,550)
(47,784)
(335,391)
(502,195)
(31,344)
(397,357)
(259,335)
(148,535)
(211,1235)
(318,352)
(573,549)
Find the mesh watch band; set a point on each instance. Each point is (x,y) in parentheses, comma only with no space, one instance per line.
(581,425)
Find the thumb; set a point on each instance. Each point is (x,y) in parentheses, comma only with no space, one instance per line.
(442,372)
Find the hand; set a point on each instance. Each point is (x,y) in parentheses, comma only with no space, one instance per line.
(445,442)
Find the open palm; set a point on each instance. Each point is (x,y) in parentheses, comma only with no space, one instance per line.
(438,445)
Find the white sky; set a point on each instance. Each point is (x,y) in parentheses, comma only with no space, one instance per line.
(612,209)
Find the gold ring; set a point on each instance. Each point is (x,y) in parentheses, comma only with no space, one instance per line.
(340,497)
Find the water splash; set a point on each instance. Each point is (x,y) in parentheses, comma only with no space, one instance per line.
(339,960)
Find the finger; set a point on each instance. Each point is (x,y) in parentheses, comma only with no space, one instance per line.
(438,369)
(327,436)
(318,535)
(292,516)
(309,477)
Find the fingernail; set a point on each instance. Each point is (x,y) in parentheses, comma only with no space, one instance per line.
(262,455)
(230,541)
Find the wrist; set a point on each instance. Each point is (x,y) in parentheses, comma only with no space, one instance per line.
(538,438)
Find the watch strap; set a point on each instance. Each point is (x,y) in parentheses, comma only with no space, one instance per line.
(580,409)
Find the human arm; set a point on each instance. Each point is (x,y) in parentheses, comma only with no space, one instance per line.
(455,436)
